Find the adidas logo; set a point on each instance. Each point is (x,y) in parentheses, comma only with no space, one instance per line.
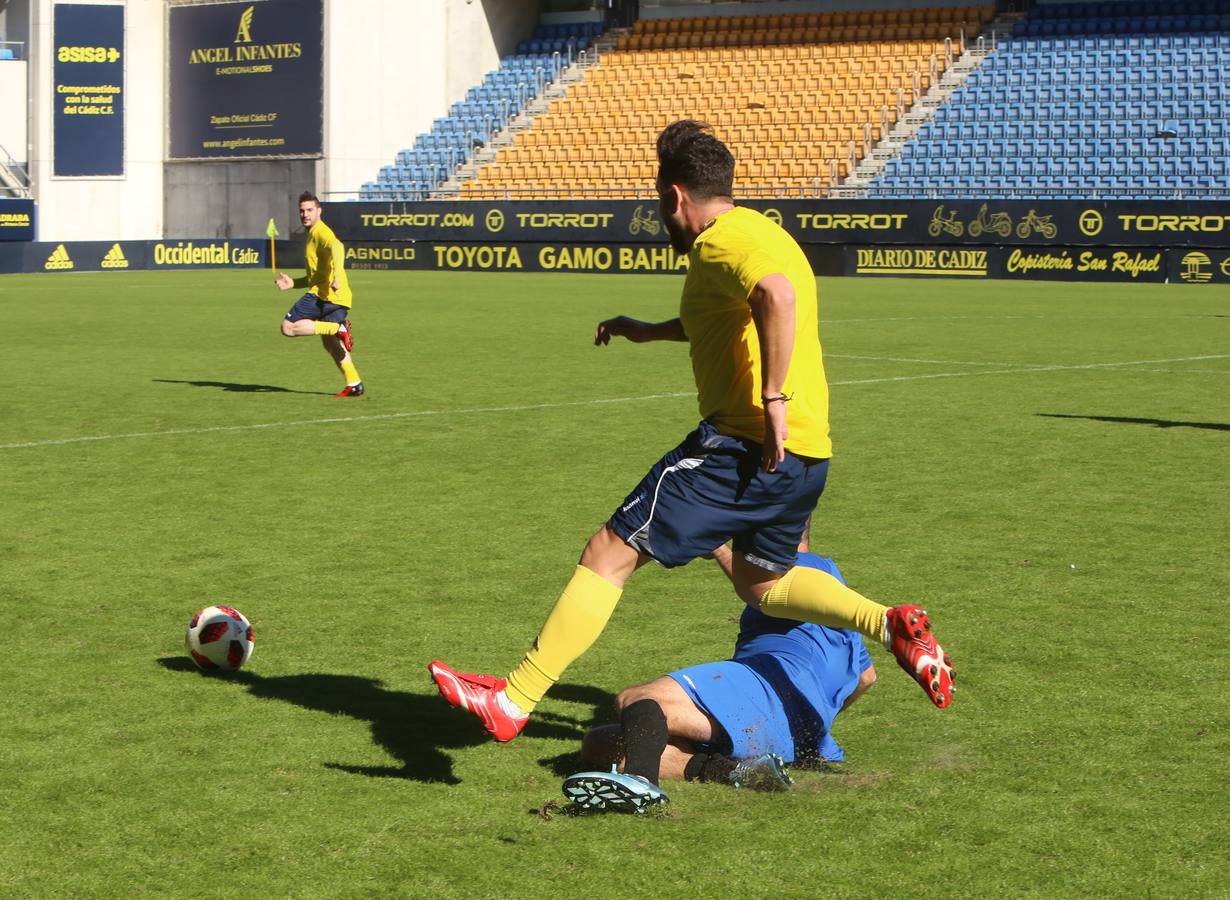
(59,259)
(115,258)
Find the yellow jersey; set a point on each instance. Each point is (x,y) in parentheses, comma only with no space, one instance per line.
(322,243)
(734,252)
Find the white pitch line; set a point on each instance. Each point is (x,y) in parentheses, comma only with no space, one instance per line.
(1220,373)
(858,320)
(1020,370)
(930,362)
(333,420)
(527,408)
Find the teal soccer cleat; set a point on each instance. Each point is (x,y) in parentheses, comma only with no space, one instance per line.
(766,772)
(612,791)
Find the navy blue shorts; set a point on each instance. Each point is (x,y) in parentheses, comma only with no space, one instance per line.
(312,307)
(709,490)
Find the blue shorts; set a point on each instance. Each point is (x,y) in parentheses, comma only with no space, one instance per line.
(765,708)
(312,307)
(709,490)
(744,704)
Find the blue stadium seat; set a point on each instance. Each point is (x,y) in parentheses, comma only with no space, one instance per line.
(1072,101)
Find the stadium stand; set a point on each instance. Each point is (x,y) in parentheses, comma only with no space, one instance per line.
(799,97)
(486,110)
(1099,99)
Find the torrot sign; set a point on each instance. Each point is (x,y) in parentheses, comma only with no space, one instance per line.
(1022,223)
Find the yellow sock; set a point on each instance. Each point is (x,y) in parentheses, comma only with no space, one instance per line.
(351,373)
(814,596)
(327,327)
(573,625)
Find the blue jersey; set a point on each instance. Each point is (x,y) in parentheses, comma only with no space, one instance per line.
(784,685)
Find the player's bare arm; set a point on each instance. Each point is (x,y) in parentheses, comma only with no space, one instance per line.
(772,302)
(638,332)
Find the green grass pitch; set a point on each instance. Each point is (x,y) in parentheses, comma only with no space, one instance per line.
(1044,465)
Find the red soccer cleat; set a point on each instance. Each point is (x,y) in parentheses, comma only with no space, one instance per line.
(480,694)
(351,390)
(917,652)
(346,335)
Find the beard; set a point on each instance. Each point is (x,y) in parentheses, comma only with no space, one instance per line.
(680,242)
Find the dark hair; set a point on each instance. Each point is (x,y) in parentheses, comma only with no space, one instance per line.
(689,155)
(309,197)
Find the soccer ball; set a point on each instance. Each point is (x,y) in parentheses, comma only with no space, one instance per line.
(219,639)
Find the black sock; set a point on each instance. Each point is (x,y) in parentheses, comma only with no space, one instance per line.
(645,736)
(709,767)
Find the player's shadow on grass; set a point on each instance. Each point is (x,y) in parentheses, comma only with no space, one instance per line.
(416,729)
(241,388)
(603,705)
(1128,420)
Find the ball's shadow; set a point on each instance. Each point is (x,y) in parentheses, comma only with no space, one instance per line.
(416,729)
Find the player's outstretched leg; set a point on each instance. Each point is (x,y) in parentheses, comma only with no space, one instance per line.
(613,791)
(910,638)
(482,695)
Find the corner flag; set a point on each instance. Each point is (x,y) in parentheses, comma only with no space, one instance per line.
(272,231)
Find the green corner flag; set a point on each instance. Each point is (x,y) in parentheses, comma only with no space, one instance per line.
(271,229)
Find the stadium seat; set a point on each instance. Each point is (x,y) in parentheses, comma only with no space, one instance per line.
(1089,89)
(793,95)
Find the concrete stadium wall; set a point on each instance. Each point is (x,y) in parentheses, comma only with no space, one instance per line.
(13,132)
(235,199)
(15,20)
(392,67)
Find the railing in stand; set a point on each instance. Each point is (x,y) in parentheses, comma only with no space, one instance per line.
(16,179)
(817,187)
(937,192)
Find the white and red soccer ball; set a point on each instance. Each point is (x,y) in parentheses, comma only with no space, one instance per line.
(219,639)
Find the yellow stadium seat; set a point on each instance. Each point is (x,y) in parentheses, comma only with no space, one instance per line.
(790,93)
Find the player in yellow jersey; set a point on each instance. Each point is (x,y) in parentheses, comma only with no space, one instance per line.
(323,310)
(752,471)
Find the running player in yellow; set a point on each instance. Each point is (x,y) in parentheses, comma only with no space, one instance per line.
(750,473)
(323,310)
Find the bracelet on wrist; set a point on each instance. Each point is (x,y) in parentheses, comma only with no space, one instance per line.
(780,398)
